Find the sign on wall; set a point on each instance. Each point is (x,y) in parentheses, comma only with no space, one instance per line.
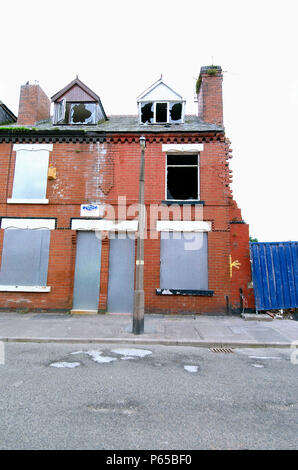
(91,210)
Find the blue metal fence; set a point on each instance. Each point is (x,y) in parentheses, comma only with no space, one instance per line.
(275,275)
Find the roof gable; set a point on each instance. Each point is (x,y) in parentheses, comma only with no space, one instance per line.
(76,91)
(159,91)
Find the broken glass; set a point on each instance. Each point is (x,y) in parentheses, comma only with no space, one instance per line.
(176,112)
(147,113)
(82,113)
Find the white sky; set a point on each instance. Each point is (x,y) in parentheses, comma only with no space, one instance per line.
(120,47)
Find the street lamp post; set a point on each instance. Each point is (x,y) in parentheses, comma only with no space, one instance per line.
(138,309)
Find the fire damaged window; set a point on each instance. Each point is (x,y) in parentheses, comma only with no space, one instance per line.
(161,112)
(182,177)
(147,113)
(176,112)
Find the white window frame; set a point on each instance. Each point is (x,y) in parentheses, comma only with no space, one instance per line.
(14,223)
(168,102)
(182,149)
(30,148)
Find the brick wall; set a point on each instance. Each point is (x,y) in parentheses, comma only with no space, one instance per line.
(210,104)
(100,172)
(34,105)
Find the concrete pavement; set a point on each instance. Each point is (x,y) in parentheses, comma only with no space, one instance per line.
(184,330)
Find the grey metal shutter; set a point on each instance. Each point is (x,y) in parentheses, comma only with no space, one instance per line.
(25,257)
(184,260)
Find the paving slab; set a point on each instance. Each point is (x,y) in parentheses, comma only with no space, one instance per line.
(191,330)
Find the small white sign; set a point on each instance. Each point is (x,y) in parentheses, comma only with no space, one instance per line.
(90,210)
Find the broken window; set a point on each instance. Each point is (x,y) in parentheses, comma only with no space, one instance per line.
(60,108)
(82,113)
(147,113)
(161,112)
(25,257)
(182,177)
(184,260)
(176,112)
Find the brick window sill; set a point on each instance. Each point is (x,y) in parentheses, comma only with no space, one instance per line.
(193,292)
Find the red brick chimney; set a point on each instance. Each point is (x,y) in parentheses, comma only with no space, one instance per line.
(34,105)
(209,91)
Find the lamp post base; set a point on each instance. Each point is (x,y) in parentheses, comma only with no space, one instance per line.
(138,314)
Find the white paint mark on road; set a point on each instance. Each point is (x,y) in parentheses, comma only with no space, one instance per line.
(69,365)
(126,358)
(97,356)
(264,357)
(132,352)
(257,365)
(191,368)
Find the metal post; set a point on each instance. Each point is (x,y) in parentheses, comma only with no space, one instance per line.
(138,309)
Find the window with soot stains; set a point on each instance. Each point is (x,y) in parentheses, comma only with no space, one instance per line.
(182,179)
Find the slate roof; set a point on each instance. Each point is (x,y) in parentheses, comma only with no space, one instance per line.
(130,124)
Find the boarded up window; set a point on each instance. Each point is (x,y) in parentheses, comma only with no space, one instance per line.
(184,261)
(25,256)
(31,174)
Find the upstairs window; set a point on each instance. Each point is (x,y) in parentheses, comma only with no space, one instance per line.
(182,178)
(76,113)
(161,112)
(31,172)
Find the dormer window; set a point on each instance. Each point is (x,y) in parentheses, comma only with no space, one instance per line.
(77,104)
(160,105)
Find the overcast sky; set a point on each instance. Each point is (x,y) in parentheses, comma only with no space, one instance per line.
(120,47)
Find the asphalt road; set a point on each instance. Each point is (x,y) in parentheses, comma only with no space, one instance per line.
(245,399)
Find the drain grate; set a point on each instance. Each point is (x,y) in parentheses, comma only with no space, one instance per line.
(221,350)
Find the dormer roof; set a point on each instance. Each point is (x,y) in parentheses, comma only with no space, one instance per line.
(160,104)
(77,97)
(71,91)
(159,91)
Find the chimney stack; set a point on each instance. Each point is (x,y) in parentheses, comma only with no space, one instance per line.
(209,91)
(34,105)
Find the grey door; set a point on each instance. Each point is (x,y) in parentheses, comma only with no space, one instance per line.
(87,272)
(121,275)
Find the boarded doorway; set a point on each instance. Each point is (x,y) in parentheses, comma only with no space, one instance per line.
(121,274)
(87,272)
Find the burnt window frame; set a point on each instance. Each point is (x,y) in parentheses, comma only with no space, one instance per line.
(182,154)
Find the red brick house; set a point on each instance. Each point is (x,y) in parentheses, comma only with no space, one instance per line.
(69,195)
